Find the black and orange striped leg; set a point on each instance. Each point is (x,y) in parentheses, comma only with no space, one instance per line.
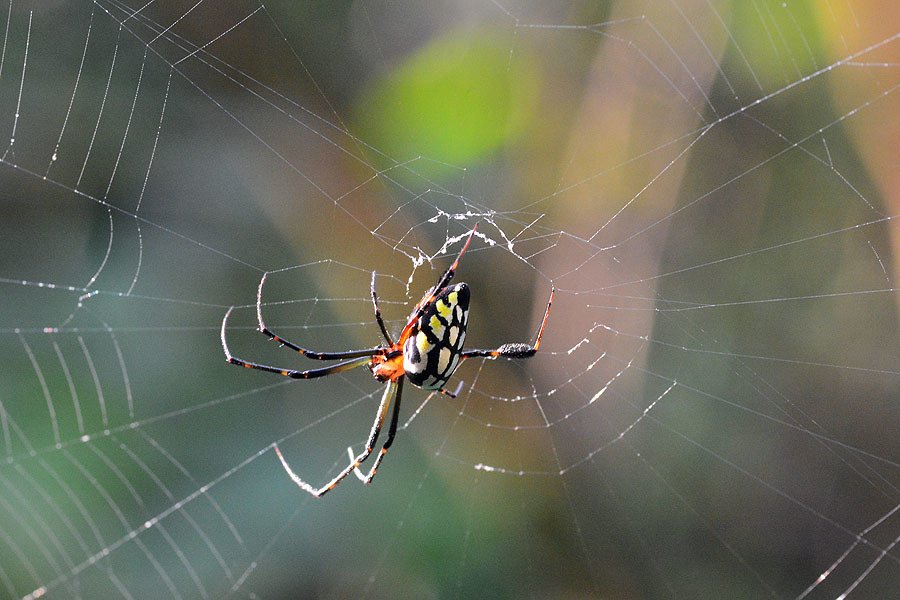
(263,328)
(392,431)
(378,318)
(391,393)
(515,350)
(356,361)
(442,283)
(451,270)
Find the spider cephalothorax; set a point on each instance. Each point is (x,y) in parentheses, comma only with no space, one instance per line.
(427,352)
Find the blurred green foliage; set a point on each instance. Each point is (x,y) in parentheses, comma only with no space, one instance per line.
(457,99)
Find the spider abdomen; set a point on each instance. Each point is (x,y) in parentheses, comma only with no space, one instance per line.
(432,351)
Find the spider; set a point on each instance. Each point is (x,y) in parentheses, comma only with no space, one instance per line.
(427,352)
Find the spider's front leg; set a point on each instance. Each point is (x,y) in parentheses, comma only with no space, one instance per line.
(357,360)
(264,329)
(392,431)
(378,318)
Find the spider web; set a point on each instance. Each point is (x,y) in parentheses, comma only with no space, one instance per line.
(709,186)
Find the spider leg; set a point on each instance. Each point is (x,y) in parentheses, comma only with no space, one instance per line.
(307,353)
(356,361)
(515,350)
(392,391)
(378,318)
(392,431)
(430,295)
(451,270)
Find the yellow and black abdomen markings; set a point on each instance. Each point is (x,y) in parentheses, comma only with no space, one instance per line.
(434,347)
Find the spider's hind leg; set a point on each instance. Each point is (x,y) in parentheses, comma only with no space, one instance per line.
(517,349)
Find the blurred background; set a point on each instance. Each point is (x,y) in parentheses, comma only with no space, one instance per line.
(712,188)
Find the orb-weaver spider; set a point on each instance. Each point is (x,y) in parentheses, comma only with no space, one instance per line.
(427,352)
